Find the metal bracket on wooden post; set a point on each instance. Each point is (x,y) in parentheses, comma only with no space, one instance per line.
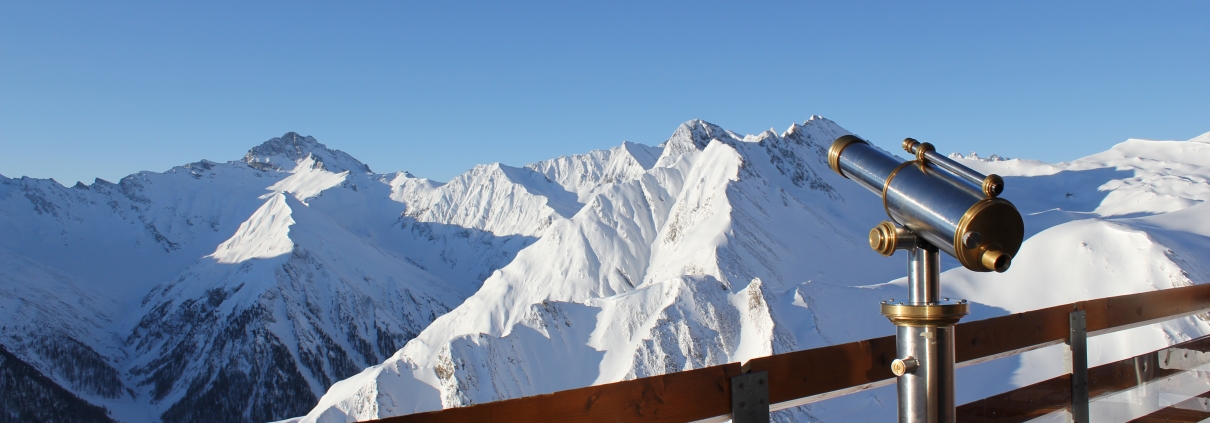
(1077,344)
(750,398)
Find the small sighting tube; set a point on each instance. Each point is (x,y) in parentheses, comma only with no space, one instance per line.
(989,185)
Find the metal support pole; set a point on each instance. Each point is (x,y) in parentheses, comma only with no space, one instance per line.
(925,342)
(914,388)
(924,275)
(920,342)
(1077,352)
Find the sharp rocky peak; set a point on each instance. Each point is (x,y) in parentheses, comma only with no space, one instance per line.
(284,152)
(697,133)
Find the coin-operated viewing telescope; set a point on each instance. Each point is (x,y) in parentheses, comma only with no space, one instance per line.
(934,204)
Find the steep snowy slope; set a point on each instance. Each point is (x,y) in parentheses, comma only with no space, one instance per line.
(663,270)
(727,248)
(108,244)
(56,344)
(583,173)
(500,199)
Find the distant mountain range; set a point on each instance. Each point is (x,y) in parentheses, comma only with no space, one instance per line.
(297,282)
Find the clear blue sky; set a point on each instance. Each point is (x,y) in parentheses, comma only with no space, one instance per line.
(105,89)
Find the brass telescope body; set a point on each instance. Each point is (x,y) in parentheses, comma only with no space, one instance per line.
(934,205)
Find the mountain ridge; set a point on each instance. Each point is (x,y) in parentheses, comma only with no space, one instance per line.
(296,281)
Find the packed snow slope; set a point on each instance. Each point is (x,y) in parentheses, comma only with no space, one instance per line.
(715,248)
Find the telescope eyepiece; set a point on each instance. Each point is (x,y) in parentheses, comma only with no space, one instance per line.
(996,260)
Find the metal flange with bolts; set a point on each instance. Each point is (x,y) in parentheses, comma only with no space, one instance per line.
(935,205)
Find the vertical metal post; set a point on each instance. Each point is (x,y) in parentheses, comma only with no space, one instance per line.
(924,341)
(926,392)
(1077,350)
(946,403)
(924,275)
(916,388)
(913,388)
(750,398)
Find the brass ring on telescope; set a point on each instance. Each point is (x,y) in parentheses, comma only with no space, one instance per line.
(993,185)
(925,315)
(887,184)
(923,148)
(837,147)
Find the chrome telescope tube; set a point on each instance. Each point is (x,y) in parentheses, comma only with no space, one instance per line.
(947,204)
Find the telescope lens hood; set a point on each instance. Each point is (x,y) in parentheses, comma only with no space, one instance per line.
(837,147)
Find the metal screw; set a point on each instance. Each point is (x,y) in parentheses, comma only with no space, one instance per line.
(902,366)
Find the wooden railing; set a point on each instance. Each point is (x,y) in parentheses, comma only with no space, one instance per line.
(1048,396)
(807,376)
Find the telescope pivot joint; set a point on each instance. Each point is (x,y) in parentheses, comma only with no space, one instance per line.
(888,237)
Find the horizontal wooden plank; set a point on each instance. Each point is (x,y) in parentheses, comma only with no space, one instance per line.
(1029,402)
(1123,312)
(997,337)
(819,371)
(674,397)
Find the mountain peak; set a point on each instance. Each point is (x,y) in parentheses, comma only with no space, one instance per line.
(698,133)
(1202,138)
(285,152)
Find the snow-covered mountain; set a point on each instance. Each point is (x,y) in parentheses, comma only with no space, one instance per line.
(239,291)
(296,281)
(726,248)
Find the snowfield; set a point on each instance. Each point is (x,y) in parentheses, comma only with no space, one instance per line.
(298,283)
